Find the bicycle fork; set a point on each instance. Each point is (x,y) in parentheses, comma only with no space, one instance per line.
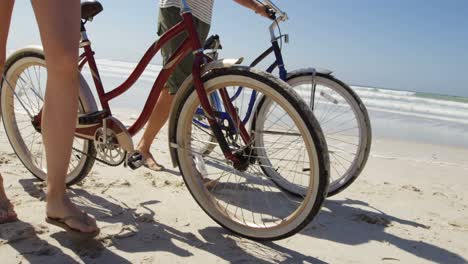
(210,115)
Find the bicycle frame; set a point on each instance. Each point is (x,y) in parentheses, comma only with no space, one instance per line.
(278,63)
(104,97)
(278,16)
(191,43)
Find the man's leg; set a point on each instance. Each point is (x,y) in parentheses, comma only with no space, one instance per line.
(59,26)
(157,120)
(168,17)
(7,214)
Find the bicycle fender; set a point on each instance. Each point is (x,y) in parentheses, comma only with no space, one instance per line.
(86,95)
(186,85)
(308,71)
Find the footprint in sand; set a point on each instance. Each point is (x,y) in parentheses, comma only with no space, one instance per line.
(411,188)
(148,260)
(4,160)
(118,231)
(373,219)
(460,223)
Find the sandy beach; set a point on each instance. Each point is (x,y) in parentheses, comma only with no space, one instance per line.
(410,205)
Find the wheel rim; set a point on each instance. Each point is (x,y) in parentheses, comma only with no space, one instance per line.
(342,123)
(28,78)
(243,201)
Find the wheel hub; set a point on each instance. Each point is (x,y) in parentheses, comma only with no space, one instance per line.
(246,157)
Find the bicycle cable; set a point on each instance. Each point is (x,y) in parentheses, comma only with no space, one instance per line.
(277,24)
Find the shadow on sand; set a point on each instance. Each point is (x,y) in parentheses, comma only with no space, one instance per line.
(347,222)
(148,235)
(354,222)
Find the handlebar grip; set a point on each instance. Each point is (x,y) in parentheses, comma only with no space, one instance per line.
(271,13)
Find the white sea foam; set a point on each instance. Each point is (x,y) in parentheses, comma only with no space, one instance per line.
(119,69)
(410,103)
(377,99)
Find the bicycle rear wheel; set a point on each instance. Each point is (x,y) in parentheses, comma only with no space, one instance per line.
(344,121)
(245,200)
(21,103)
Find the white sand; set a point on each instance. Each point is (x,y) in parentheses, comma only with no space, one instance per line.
(409,206)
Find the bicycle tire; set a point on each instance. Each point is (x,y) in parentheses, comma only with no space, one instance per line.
(194,176)
(15,71)
(346,178)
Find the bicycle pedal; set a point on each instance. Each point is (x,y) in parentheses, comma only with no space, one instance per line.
(135,160)
(93,118)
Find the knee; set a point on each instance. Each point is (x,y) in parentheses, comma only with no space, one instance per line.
(62,63)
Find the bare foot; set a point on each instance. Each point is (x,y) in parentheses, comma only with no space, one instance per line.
(65,211)
(7,212)
(151,163)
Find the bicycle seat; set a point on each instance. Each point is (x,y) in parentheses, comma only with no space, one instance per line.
(213,42)
(90,9)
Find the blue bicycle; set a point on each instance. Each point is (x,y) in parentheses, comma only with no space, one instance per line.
(339,110)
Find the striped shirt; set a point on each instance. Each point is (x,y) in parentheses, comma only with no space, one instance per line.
(201,9)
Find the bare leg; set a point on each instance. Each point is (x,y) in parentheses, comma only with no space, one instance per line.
(7,214)
(157,120)
(59,26)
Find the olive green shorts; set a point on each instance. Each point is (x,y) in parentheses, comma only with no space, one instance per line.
(169,17)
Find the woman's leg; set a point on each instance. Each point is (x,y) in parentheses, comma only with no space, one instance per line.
(7,214)
(59,25)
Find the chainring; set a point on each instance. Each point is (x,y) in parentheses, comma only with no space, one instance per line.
(109,152)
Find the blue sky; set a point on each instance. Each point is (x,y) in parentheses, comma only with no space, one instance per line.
(417,45)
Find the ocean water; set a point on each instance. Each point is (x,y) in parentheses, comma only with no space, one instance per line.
(400,115)
(420,117)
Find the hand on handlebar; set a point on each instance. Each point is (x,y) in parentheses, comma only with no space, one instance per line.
(265,12)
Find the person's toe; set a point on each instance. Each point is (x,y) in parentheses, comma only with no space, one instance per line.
(152,164)
(92,223)
(85,225)
(155,167)
(11,213)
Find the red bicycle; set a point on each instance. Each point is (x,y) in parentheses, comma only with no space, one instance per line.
(228,183)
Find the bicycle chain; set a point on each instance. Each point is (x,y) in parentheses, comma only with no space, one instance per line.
(98,159)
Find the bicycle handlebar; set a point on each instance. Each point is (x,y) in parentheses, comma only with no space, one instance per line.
(277,15)
(280,15)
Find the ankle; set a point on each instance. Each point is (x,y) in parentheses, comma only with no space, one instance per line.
(55,195)
(56,204)
(143,148)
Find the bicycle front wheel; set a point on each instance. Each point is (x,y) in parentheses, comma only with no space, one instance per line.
(243,199)
(344,121)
